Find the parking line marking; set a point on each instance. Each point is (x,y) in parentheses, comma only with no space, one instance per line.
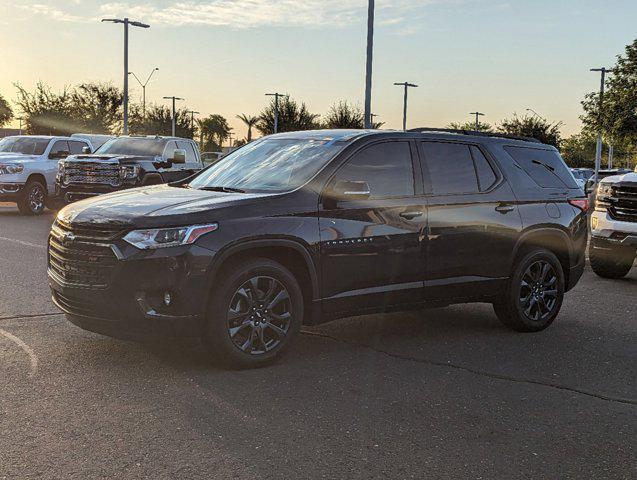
(33,358)
(22,242)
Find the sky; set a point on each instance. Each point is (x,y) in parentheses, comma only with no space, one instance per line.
(496,56)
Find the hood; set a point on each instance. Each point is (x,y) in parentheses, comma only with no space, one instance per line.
(154,206)
(623,178)
(105,158)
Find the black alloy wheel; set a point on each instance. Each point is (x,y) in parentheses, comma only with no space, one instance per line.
(538,291)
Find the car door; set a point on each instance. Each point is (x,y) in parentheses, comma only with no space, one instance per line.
(474,221)
(372,253)
(59,151)
(193,163)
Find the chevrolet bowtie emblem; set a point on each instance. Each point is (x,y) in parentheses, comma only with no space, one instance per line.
(67,238)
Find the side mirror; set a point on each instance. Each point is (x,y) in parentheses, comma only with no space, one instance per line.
(86,150)
(351,190)
(179,156)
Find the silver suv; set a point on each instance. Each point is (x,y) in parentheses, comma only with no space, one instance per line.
(28,167)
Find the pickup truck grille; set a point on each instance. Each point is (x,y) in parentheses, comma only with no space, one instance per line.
(82,257)
(622,204)
(101,173)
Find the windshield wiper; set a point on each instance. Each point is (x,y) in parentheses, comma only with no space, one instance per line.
(222,189)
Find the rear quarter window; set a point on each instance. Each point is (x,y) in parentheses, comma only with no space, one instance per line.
(545,167)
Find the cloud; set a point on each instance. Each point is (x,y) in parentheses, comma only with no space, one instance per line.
(48,11)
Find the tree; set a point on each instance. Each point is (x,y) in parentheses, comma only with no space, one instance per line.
(292,117)
(343,115)
(532,127)
(619,119)
(97,107)
(579,150)
(250,122)
(6,114)
(46,112)
(471,126)
(158,121)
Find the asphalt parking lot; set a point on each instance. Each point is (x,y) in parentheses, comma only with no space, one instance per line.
(444,393)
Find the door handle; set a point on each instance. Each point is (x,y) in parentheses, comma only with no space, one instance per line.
(410,215)
(504,208)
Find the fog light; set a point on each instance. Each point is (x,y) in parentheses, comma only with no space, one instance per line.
(168,299)
(594,223)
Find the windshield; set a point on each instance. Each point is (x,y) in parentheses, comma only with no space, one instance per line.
(25,145)
(270,164)
(147,147)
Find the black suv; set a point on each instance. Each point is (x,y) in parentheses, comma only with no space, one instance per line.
(305,227)
(126,162)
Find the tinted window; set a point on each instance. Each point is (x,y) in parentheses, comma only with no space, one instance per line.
(486,175)
(148,147)
(76,147)
(25,145)
(386,167)
(61,146)
(191,157)
(450,168)
(545,167)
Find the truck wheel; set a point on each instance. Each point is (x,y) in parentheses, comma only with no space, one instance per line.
(33,198)
(254,314)
(610,261)
(535,292)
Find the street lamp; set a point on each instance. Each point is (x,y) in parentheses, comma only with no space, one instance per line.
(192,120)
(368,65)
(598,149)
(126,23)
(406,85)
(174,115)
(276,108)
(478,115)
(143,85)
(536,114)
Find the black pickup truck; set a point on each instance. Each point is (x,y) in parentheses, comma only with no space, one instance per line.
(126,162)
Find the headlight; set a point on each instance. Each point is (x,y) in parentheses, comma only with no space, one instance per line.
(129,172)
(168,237)
(11,168)
(604,190)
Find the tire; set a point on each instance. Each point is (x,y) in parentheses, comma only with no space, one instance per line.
(254,335)
(610,261)
(33,198)
(152,179)
(535,292)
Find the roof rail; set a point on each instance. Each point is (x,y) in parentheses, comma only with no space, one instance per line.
(474,133)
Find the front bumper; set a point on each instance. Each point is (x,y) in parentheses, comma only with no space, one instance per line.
(73,192)
(603,227)
(10,191)
(131,305)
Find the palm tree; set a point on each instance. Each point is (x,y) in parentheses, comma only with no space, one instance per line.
(250,122)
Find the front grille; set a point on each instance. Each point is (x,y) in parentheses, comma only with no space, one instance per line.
(97,173)
(82,256)
(75,305)
(622,204)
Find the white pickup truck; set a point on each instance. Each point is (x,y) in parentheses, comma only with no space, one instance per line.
(614,226)
(28,167)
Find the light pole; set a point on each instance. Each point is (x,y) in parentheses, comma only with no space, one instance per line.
(406,85)
(478,115)
(368,65)
(371,117)
(174,114)
(126,23)
(20,128)
(598,148)
(536,114)
(192,120)
(143,85)
(276,108)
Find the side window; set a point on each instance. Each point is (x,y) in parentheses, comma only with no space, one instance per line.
(76,147)
(450,168)
(169,149)
(191,157)
(59,148)
(386,167)
(486,175)
(545,167)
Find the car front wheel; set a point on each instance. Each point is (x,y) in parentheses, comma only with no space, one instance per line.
(33,198)
(535,292)
(254,315)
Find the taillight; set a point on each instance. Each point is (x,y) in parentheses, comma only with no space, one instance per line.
(581,203)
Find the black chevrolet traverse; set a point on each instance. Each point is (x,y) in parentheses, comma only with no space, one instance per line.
(304,227)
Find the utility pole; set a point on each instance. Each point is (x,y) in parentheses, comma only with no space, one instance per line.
(598,149)
(368,64)
(276,108)
(192,120)
(610,156)
(406,85)
(478,115)
(371,117)
(174,112)
(126,23)
(143,85)
(20,128)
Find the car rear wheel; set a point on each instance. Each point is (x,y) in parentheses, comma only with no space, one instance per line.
(254,314)
(610,261)
(33,198)
(535,293)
